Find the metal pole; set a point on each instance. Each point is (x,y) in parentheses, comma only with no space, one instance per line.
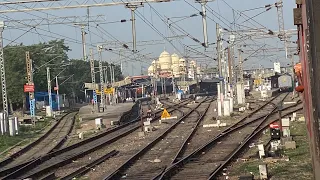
(111,79)
(240,67)
(30,82)
(58,97)
(102,97)
(114,80)
(121,67)
(133,28)
(219,52)
(141,116)
(229,64)
(84,43)
(292,75)
(173,86)
(93,79)
(3,73)
(49,89)
(204,23)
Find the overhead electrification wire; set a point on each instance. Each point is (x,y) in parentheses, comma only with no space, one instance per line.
(13,41)
(54,16)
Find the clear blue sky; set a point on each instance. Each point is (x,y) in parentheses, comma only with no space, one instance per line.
(222,14)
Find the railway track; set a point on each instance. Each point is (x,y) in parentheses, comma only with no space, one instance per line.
(42,166)
(167,147)
(52,140)
(206,161)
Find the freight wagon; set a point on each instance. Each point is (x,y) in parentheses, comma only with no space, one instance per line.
(285,82)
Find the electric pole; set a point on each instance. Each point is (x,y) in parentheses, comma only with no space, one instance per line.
(229,65)
(219,48)
(3,74)
(282,33)
(93,81)
(83,36)
(30,82)
(49,89)
(102,96)
(58,97)
(240,67)
(204,21)
(133,7)
(84,50)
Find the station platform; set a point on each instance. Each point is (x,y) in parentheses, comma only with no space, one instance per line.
(111,113)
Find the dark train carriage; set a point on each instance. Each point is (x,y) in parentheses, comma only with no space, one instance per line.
(208,86)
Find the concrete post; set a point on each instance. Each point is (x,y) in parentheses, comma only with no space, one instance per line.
(11,127)
(219,91)
(2,126)
(16,125)
(219,107)
(231,104)
(240,93)
(226,107)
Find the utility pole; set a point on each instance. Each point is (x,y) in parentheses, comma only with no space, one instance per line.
(111,77)
(219,48)
(49,89)
(83,36)
(114,80)
(93,81)
(292,74)
(121,66)
(106,75)
(3,74)
(133,7)
(58,97)
(204,22)
(30,82)
(84,50)
(282,33)
(102,97)
(240,87)
(229,65)
(240,67)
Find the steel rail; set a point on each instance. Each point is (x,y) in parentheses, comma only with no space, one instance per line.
(14,173)
(87,167)
(12,157)
(63,140)
(244,143)
(117,173)
(68,148)
(174,167)
(183,146)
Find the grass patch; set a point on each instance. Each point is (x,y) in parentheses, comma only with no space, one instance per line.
(26,133)
(298,167)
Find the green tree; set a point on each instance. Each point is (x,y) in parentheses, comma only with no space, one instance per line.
(52,54)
